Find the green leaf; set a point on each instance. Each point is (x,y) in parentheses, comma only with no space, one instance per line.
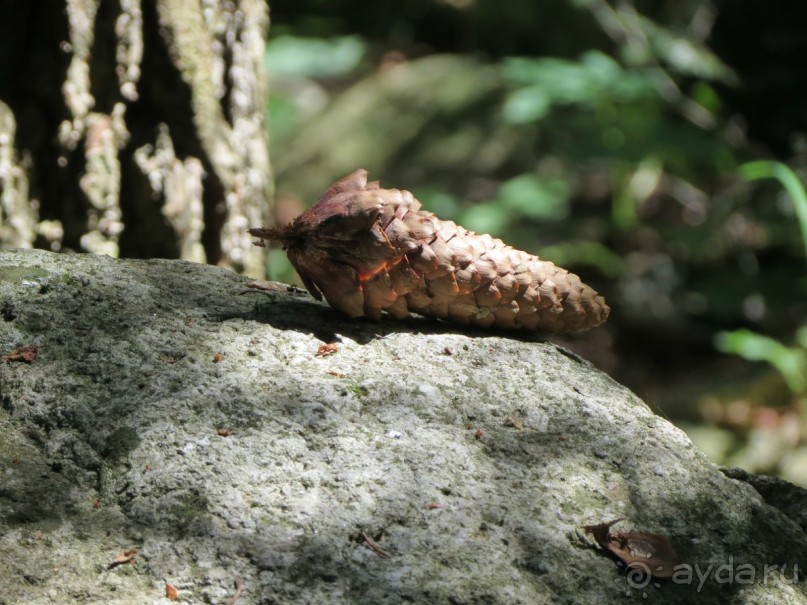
(488,217)
(529,104)
(592,81)
(790,362)
(788,179)
(536,198)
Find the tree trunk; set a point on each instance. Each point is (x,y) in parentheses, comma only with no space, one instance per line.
(134,127)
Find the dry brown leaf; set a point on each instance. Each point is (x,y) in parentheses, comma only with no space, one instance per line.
(171,592)
(127,557)
(25,354)
(652,553)
(327,349)
(223,433)
(337,374)
(369,250)
(217,357)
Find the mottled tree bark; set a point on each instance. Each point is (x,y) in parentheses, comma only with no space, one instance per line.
(134,127)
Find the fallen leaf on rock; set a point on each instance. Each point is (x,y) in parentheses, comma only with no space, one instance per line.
(26,354)
(170,591)
(217,357)
(223,433)
(327,349)
(337,374)
(653,553)
(123,559)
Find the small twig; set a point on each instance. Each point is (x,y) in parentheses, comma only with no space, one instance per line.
(374,547)
(239,588)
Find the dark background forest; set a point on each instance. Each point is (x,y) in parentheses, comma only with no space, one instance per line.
(613,138)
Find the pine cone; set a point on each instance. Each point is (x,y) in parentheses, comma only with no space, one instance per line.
(370,250)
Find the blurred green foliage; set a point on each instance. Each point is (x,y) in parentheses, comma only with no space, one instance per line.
(297,58)
(592,81)
(798,196)
(790,361)
(614,138)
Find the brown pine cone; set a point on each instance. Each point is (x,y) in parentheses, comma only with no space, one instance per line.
(369,250)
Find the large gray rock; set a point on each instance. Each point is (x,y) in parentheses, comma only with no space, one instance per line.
(172,411)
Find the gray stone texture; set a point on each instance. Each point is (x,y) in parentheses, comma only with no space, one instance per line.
(174,411)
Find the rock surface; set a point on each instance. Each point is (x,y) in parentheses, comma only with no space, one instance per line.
(173,411)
